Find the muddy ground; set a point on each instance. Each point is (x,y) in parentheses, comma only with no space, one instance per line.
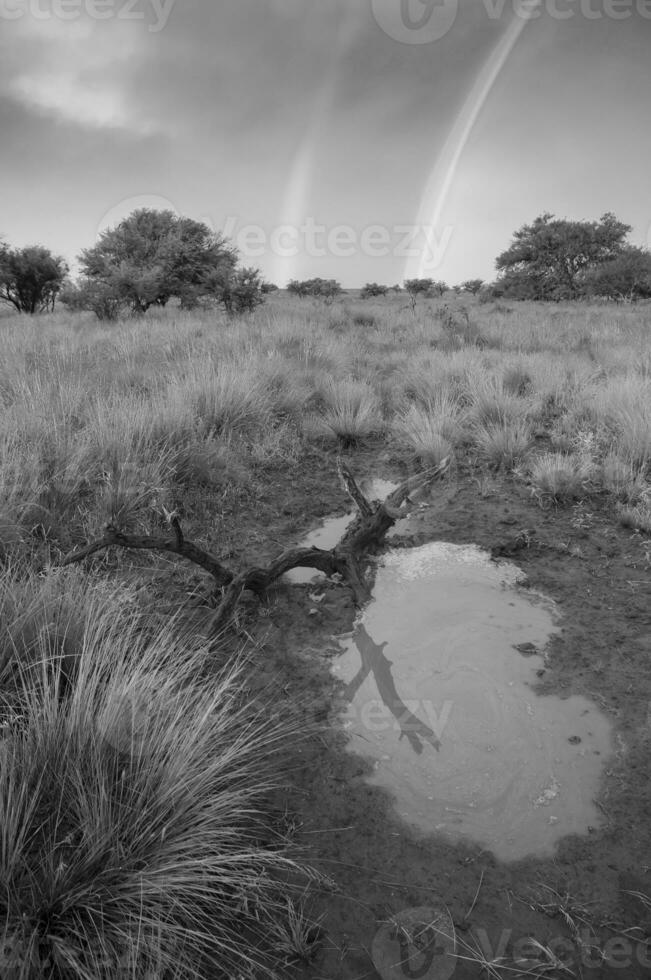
(599,574)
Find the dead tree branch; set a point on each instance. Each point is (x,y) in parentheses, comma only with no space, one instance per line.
(364,535)
(148,542)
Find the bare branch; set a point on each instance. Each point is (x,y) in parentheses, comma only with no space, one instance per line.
(364,535)
(350,486)
(147,542)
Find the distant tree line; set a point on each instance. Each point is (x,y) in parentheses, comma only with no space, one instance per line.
(154,256)
(554,259)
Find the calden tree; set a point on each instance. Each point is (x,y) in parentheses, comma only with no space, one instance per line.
(549,258)
(30,277)
(152,256)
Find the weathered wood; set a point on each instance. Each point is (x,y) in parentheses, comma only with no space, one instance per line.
(349,484)
(364,535)
(148,542)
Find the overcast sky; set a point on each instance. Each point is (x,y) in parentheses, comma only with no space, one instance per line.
(325,136)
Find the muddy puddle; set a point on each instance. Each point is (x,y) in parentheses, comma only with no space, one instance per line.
(439,682)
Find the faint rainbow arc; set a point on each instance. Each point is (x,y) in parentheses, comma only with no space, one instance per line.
(296,188)
(442,175)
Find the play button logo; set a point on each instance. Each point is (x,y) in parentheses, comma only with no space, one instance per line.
(416,944)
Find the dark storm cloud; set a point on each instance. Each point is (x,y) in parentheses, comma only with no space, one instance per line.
(240,108)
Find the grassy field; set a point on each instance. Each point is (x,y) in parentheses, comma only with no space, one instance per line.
(137,779)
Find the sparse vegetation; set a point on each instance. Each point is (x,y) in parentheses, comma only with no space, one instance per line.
(126,422)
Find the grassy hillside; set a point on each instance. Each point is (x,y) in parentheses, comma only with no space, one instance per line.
(136,777)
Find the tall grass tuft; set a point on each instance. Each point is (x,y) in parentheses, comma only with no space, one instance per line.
(432,431)
(132,794)
(351,410)
(502,444)
(490,403)
(557,478)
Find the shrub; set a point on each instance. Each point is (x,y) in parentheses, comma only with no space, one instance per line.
(324,288)
(373,289)
(625,277)
(472,286)
(243,291)
(364,320)
(30,278)
(97,297)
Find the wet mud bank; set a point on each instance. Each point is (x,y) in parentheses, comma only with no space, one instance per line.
(585,649)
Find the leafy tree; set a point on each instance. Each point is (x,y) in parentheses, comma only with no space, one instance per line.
(417,287)
(30,277)
(243,291)
(324,288)
(373,289)
(297,288)
(625,277)
(472,286)
(88,294)
(269,287)
(425,287)
(152,255)
(547,259)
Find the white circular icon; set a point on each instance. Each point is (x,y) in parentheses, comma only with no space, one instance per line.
(416,943)
(415,21)
(125,207)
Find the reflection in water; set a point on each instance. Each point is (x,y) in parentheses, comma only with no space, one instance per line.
(512,770)
(374,662)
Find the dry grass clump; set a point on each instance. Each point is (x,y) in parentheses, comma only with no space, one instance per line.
(225,395)
(489,403)
(624,480)
(210,462)
(623,406)
(502,444)
(638,518)
(431,430)
(351,411)
(516,380)
(132,795)
(557,478)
